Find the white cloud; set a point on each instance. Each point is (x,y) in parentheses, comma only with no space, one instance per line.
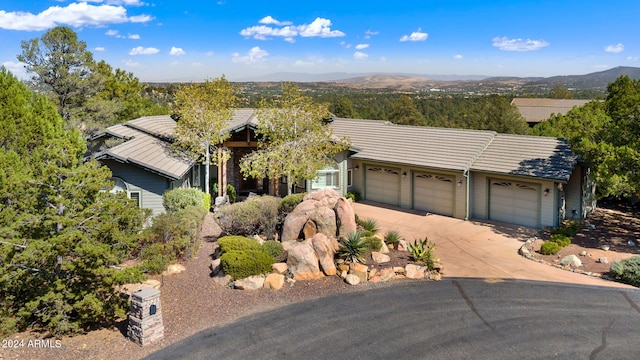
(615,49)
(131,63)
(345,44)
(119,2)
(255,55)
(176,51)
(112,33)
(506,44)
(415,36)
(457,57)
(362,46)
(16,68)
(143,51)
(368,34)
(75,15)
(268,20)
(133,36)
(302,63)
(209,53)
(318,28)
(633,58)
(99,48)
(360,55)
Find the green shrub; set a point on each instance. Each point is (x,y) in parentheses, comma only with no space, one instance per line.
(353,248)
(273,248)
(569,230)
(353,195)
(550,248)
(255,216)
(561,240)
(231,192)
(392,237)
(196,213)
(290,202)
(207,202)
(374,243)
(155,260)
(369,226)
(237,243)
(178,199)
(422,252)
(627,270)
(242,264)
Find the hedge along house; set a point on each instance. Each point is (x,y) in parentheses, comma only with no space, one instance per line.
(139,155)
(524,180)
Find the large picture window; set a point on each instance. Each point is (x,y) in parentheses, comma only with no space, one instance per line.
(327,178)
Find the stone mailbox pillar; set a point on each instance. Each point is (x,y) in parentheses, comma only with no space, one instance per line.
(145,317)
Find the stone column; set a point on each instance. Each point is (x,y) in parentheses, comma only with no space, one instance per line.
(145,317)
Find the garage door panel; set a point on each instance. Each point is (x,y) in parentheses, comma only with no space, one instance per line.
(514,202)
(383,185)
(433,193)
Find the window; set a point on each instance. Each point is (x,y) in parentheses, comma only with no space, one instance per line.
(195,175)
(119,185)
(136,196)
(350,177)
(327,178)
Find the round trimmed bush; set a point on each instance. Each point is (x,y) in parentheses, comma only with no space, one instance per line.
(237,243)
(561,240)
(550,248)
(627,270)
(290,202)
(273,248)
(242,264)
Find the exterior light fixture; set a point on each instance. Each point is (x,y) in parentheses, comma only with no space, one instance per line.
(546,192)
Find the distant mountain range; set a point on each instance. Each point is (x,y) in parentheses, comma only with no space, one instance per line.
(597,80)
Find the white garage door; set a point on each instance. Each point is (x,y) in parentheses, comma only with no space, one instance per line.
(433,193)
(514,202)
(383,185)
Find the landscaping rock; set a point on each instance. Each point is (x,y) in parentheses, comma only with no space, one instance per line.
(279,268)
(309,229)
(221,279)
(303,262)
(251,283)
(325,220)
(402,245)
(359,270)
(571,260)
(325,252)
(434,275)
(215,266)
(174,269)
(352,279)
(274,281)
(346,217)
(603,260)
(413,271)
(386,274)
(384,248)
(379,257)
(287,245)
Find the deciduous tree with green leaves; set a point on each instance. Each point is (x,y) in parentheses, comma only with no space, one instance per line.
(203,111)
(61,235)
(295,140)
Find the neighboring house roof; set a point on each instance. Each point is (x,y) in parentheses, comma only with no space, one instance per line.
(242,118)
(438,148)
(531,156)
(535,110)
(147,146)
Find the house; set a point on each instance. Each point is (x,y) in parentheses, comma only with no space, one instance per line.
(535,110)
(466,174)
(141,160)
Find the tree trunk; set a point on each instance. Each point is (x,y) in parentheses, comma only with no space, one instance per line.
(207,160)
(289,185)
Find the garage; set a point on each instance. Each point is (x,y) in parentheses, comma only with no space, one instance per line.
(514,202)
(383,185)
(433,193)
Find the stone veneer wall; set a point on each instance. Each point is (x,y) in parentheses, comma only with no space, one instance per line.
(145,326)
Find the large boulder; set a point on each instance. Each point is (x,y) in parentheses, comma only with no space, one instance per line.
(330,213)
(303,262)
(325,251)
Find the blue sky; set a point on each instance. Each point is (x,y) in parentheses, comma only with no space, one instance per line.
(189,40)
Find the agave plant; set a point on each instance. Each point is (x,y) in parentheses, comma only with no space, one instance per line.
(422,252)
(369,227)
(392,237)
(353,248)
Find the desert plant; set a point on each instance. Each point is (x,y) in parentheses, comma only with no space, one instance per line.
(369,226)
(178,199)
(255,216)
(561,240)
(353,195)
(231,193)
(290,202)
(422,252)
(374,243)
(242,264)
(550,248)
(237,243)
(392,237)
(627,270)
(273,248)
(353,248)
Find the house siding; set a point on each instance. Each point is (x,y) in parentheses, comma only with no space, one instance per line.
(150,186)
(573,195)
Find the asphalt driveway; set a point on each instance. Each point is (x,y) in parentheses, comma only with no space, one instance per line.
(472,248)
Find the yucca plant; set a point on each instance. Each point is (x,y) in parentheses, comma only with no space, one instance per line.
(392,237)
(422,252)
(369,227)
(353,248)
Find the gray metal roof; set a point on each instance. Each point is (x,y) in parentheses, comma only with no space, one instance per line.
(531,156)
(538,109)
(438,148)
